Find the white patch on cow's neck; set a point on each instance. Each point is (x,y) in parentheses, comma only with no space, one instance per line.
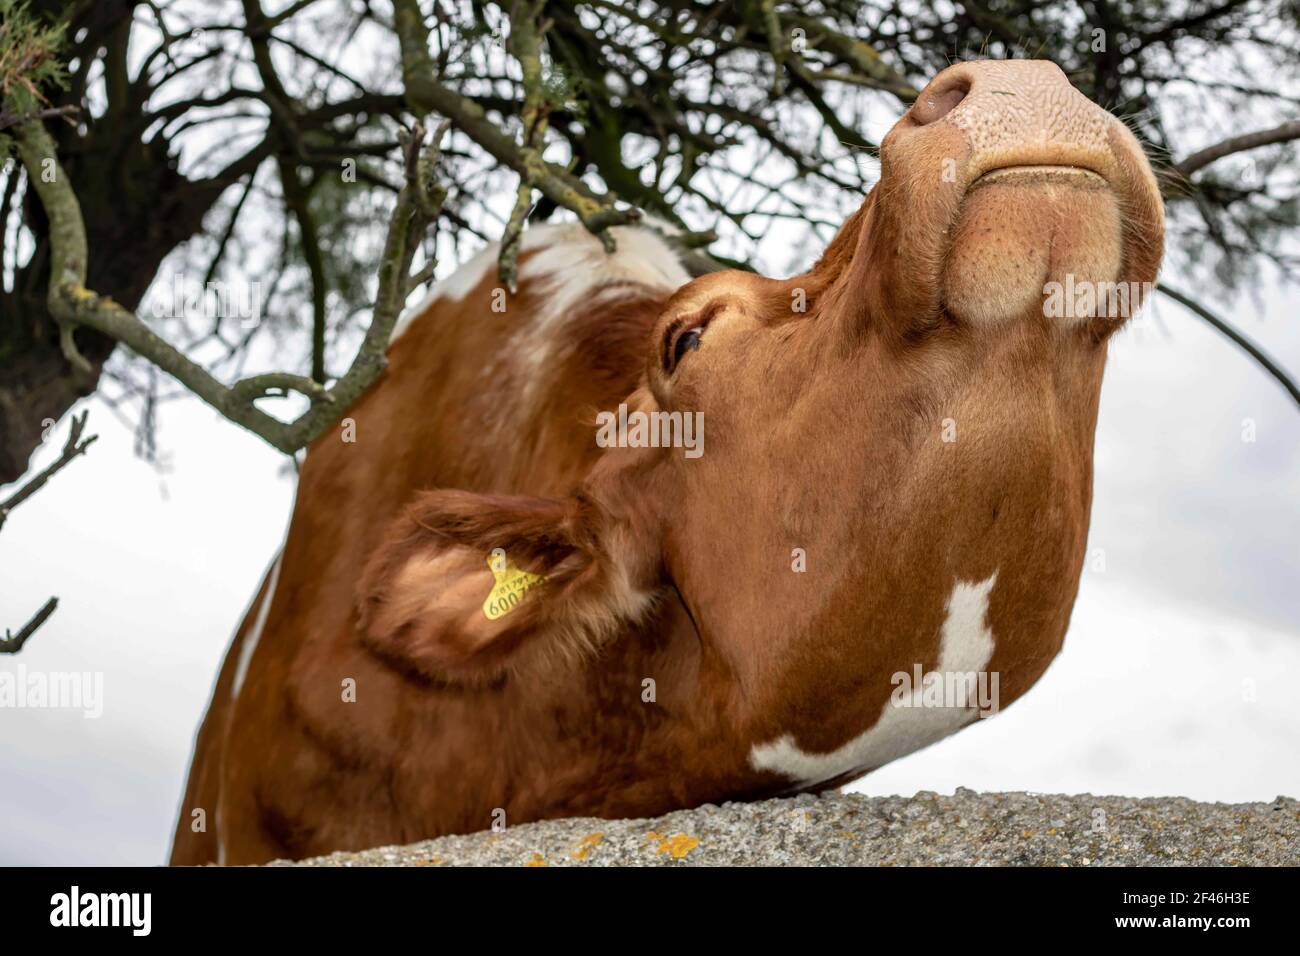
(574,268)
(249,643)
(246,649)
(966,645)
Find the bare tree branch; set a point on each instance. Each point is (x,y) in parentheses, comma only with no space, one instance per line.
(73,447)
(72,304)
(524,45)
(425,94)
(8,119)
(862,56)
(1245,344)
(1238,144)
(13,643)
(654,106)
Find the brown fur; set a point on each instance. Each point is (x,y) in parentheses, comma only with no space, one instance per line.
(822,433)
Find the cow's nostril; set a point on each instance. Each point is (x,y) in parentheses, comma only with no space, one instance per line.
(933,105)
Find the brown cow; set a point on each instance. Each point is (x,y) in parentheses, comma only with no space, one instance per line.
(895,485)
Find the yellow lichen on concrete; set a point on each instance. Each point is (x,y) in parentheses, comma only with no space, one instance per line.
(676,846)
(586,845)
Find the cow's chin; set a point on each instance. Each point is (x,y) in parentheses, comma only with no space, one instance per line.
(1020,230)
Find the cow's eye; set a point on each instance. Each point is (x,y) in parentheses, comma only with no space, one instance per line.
(683,335)
(688,341)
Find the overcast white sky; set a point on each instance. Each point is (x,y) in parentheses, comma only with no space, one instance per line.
(1178,675)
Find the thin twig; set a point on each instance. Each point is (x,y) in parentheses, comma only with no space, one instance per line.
(1245,344)
(8,119)
(13,643)
(73,447)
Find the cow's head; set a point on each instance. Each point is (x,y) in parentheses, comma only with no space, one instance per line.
(915,412)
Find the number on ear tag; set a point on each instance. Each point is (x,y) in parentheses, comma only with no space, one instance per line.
(512,585)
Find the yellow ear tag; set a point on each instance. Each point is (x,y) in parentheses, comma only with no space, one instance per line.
(512,584)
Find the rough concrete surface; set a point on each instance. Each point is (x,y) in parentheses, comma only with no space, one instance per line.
(967,828)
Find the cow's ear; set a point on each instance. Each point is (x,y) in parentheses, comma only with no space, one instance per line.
(465,586)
